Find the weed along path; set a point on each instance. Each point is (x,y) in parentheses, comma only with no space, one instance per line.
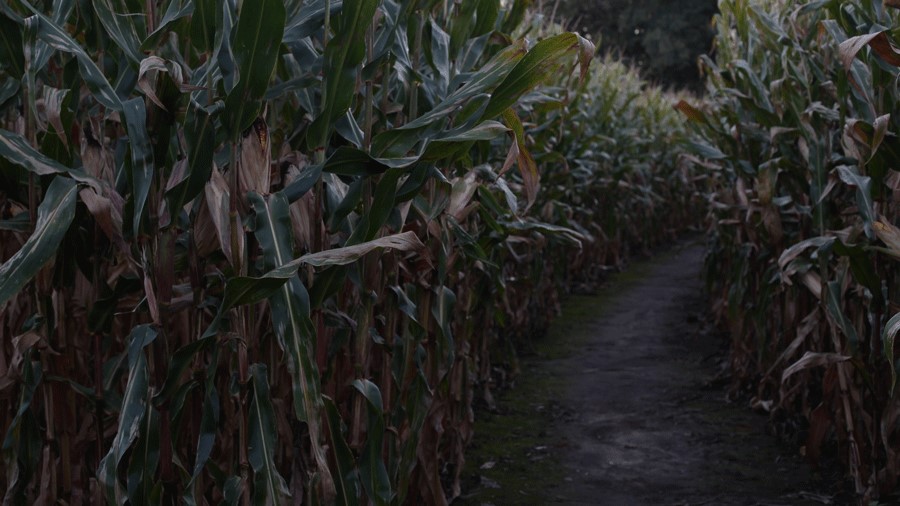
(619,405)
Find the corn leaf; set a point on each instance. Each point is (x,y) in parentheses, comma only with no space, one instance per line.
(120,27)
(260,27)
(536,67)
(372,470)
(344,53)
(15,148)
(141,157)
(55,214)
(49,32)
(290,317)
(269,487)
(131,415)
(889,337)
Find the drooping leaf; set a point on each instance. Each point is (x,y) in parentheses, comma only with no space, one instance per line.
(536,66)
(15,148)
(55,214)
(49,32)
(120,27)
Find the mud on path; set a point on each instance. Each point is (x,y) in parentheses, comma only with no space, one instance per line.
(619,405)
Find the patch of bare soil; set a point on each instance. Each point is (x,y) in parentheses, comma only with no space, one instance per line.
(623,403)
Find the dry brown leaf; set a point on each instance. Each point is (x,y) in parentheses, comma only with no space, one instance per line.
(407,241)
(461,194)
(97,160)
(879,42)
(254,166)
(150,69)
(218,204)
(107,216)
(889,235)
(812,359)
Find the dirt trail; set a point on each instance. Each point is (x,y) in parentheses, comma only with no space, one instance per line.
(617,406)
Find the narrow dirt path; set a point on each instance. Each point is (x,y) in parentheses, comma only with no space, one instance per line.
(617,405)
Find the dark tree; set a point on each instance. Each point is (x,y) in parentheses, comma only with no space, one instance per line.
(662,37)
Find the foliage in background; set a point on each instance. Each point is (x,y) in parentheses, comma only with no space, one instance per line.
(800,136)
(662,37)
(265,251)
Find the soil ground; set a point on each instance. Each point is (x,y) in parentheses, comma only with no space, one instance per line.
(623,403)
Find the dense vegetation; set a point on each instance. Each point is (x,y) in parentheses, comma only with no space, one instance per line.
(800,136)
(254,250)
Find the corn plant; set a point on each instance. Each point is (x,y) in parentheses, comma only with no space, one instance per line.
(799,136)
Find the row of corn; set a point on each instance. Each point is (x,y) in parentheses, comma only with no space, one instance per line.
(799,135)
(271,251)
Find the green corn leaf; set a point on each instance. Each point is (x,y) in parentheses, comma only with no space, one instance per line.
(178,363)
(515,15)
(55,214)
(486,17)
(176,10)
(307,18)
(442,311)
(268,487)
(15,148)
(440,57)
(21,434)
(200,138)
(535,67)
(863,184)
(121,27)
(203,25)
(144,460)
(460,139)
(209,423)
(349,161)
(372,470)
(8,89)
(131,415)
(49,32)
(343,55)
(383,202)
(347,476)
(141,156)
(395,143)
(260,27)
(835,310)
(462,24)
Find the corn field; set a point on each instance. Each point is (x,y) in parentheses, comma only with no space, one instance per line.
(273,252)
(799,135)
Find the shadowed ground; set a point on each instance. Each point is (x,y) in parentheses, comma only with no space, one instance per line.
(617,405)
